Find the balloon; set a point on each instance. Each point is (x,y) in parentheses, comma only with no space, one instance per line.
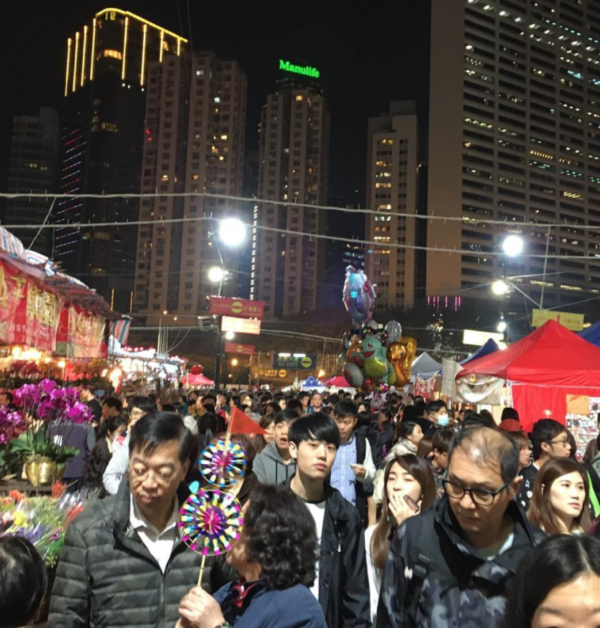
(358,296)
(353,374)
(401,355)
(341,362)
(368,385)
(346,340)
(354,354)
(394,331)
(376,364)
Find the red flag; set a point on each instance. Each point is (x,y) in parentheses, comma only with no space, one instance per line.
(242,424)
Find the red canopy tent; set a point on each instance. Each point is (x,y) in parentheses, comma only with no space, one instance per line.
(337,382)
(196,380)
(543,368)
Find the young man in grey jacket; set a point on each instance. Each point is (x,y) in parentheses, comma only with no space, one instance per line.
(274,464)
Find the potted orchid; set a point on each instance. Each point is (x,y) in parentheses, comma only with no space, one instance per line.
(43,408)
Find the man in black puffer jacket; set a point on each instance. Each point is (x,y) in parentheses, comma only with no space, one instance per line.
(123,563)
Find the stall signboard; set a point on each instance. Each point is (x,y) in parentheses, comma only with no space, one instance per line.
(479,338)
(80,333)
(240,325)
(235,348)
(582,422)
(240,308)
(295,362)
(571,321)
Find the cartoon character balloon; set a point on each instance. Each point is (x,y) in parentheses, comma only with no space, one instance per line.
(401,355)
(376,365)
(358,296)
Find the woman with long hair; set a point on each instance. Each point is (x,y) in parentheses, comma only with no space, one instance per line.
(558,584)
(559,504)
(409,490)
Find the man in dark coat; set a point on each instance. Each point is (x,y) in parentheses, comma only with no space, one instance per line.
(453,566)
(123,563)
(342,586)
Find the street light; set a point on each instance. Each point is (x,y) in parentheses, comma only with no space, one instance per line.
(235,362)
(501,326)
(232,231)
(216,274)
(500,287)
(513,246)
(229,335)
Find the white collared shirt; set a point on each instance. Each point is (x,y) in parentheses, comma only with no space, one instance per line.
(159,544)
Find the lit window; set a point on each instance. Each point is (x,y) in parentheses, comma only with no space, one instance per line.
(165,177)
(114,54)
(299,97)
(217,99)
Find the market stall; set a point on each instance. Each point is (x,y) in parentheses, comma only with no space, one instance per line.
(549,373)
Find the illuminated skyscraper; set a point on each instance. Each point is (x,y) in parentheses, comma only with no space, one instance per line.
(102,131)
(287,270)
(514,136)
(196,118)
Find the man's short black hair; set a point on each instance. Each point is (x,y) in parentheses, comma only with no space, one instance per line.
(24,579)
(345,409)
(207,397)
(441,439)
(317,426)
(333,400)
(544,431)
(114,403)
(435,406)
(285,415)
(303,394)
(158,428)
(489,445)
(145,404)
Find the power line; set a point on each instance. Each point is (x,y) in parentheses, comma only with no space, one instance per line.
(316,236)
(263,201)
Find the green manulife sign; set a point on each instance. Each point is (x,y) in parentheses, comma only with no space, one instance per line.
(306,70)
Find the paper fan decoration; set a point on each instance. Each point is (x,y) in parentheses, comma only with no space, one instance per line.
(222,463)
(210,522)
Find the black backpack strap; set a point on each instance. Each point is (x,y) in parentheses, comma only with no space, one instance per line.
(420,564)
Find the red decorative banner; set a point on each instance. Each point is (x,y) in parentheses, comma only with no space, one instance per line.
(237,349)
(80,333)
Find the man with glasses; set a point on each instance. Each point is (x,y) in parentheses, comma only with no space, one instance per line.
(124,562)
(353,469)
(452,565)
(548,440)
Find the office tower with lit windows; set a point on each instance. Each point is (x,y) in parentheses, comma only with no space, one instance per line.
(194,142)
(287,270)
(392,149)
(32,169)
(102,137)
(514,136)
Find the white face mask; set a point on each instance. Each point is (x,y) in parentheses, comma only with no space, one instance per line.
(443,420)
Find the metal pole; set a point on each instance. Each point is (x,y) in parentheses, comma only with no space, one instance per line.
(219,354)
(545,266)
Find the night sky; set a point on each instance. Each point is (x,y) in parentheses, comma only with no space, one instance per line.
(366,56)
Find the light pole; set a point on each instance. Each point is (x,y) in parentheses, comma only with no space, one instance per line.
(230,232)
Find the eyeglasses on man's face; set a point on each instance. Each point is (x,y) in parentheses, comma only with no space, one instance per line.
(480,496)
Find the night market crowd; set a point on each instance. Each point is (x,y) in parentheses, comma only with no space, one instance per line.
(399,513)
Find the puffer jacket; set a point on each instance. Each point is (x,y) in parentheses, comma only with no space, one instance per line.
(106,576)
(434,579)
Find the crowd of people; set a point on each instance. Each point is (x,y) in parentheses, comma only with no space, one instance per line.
(357,513)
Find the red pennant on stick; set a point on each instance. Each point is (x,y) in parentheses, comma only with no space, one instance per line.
(243,424)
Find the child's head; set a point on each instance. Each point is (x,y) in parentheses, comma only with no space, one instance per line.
(440,445)
(313,443)
(345,415)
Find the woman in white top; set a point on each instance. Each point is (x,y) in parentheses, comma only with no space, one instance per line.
(560,504)
(409,490)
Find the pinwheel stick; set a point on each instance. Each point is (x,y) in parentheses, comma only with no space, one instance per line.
(201,569)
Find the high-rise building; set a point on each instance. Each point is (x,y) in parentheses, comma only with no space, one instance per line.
(514,136)
(392,191)
(102,136)
(195,130)
(294,162)
(33,164)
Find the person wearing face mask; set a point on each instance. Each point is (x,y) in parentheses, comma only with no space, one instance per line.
(437,416)
(560,498)
(409,491)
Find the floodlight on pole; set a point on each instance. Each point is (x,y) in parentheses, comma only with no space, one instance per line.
(501,327)
(216,274)
(513,246)
(232,231)
(500,287)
